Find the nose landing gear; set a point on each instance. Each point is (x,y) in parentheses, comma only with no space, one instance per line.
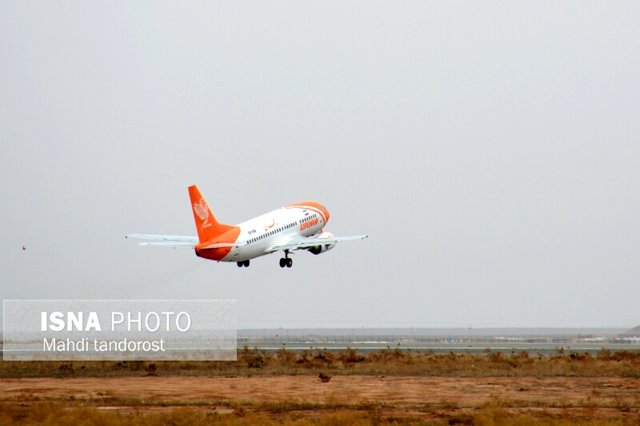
(244,263)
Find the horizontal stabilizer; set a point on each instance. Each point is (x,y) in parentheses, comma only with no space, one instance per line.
(174,241)
(174,244)
(155,237)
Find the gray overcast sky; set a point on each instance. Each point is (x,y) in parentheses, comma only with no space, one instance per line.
(491,150)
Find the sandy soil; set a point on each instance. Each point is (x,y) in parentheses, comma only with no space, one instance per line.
(407,394)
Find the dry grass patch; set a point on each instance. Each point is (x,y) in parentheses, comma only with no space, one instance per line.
(384,362)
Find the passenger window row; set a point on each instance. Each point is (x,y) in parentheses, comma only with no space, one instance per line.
(272,232)
(308,218)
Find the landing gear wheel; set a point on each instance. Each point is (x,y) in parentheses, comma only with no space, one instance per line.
(246,263)
(285,261)
(240,264)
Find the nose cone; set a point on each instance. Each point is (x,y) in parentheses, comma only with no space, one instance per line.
(326,213)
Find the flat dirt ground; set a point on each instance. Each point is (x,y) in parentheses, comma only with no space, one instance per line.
(401,397)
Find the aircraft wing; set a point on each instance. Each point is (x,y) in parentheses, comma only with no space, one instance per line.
(221,245)
(174,241)
(306,242)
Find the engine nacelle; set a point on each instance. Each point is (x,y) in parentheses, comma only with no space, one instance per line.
(321,248)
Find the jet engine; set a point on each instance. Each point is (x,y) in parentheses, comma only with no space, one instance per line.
(321,248)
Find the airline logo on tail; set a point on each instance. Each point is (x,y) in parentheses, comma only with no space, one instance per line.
(202,211)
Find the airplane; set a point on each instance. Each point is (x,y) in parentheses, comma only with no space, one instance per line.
(296,226)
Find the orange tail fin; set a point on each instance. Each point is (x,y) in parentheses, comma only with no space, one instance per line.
(206,224)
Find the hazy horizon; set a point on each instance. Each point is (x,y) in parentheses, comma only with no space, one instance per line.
(490,150)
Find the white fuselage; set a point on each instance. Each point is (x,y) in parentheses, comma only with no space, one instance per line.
(277,227)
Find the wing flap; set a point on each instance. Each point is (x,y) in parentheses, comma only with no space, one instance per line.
(311,242)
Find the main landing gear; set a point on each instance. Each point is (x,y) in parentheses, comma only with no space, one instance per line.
(286,260)
(244,263)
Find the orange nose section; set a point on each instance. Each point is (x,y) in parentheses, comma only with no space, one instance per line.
(315,206)
(326,213)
